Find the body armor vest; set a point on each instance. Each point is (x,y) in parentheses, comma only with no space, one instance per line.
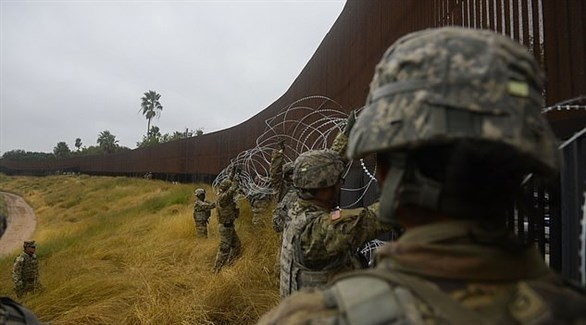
(30,267)
(294,274)
(202,210)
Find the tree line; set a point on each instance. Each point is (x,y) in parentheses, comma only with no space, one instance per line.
(106,142)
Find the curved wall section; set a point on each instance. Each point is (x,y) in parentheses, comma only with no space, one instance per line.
(343,65)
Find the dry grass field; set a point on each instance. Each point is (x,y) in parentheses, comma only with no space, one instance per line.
(117,250)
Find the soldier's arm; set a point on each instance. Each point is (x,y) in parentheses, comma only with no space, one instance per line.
(340,143)
(17,270)
(276,167)
(331,235)
(278,217)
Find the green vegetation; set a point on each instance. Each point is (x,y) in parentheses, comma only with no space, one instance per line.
(117,250)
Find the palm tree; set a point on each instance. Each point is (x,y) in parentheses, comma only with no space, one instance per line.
(150,107)
(107,141)
(78,144)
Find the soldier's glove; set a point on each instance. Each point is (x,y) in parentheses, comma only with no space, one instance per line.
(350,123)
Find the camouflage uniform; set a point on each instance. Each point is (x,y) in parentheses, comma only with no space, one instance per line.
(280,213)
(230,246)
(502,288)
(202,210)
(446,105)
(276,172)
(259,203)
(319,243)
(25,271)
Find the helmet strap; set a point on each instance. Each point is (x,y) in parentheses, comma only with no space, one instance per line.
(406,185)
(388,204)
(417,189)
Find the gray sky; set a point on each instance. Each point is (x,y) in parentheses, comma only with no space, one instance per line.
(72,69)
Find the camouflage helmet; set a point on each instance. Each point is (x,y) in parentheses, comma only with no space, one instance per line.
(200,191)
(287,168)
(225,184)
(443,85)
(29,243)
(317,169)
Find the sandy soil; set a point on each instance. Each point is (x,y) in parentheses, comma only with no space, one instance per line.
(21,224)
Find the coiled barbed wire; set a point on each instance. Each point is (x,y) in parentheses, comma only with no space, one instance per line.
(310,123)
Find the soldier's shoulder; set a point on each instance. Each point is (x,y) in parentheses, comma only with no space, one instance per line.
(306,306)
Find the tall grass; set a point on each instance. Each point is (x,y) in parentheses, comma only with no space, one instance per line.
(117,250)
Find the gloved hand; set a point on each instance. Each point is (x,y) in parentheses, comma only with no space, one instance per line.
(350,122)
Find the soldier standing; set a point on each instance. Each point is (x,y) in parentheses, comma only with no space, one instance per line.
(202,210)
(259,202)
(454,117)
(25,271)
(230,246)
(321,241)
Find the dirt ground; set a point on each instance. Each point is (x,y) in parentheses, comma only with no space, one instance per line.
(21,224)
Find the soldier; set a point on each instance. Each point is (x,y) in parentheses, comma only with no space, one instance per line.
(453,116)
(25,271)
(259,202)
(320,240)
(13,313)
(202,210)
(280,213)
(230,246)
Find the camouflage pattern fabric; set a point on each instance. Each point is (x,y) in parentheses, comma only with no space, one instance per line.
(281,211)
(499,287)
(259,204)
(225,204)
(25,274)
(276,169)
(202,210)
(340,144)
(315,169)
(281,220)
(229,247)
(442,85)
(319,244)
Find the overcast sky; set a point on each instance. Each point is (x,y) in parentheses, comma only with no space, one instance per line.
(72,69)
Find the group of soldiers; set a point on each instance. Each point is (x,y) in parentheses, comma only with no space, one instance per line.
(228,211)
(454,120)
(453,117)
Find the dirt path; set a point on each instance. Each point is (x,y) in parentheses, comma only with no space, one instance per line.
(21,224)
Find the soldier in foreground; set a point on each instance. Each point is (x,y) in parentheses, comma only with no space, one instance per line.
(25,271)
(453,116)
(202,210)
(230,246)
